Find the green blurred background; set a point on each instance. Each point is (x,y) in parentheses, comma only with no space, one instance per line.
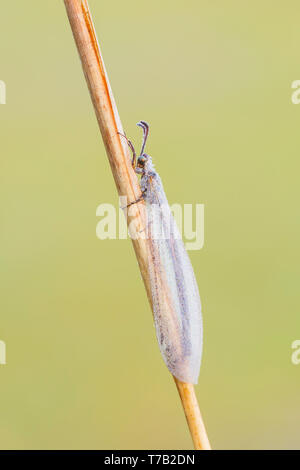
(214,80)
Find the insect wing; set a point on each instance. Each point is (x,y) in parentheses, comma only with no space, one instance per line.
(175,296)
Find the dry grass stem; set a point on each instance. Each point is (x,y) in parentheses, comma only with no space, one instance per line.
(125,178)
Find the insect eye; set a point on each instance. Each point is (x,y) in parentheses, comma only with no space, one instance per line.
(141,161)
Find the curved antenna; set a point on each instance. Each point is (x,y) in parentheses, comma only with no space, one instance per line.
(145,126)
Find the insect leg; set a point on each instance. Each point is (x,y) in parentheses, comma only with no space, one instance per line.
(130,144)
(137,200)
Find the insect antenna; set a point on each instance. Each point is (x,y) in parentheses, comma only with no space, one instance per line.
(145,126)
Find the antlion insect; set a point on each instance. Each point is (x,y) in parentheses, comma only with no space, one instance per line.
(175,295)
